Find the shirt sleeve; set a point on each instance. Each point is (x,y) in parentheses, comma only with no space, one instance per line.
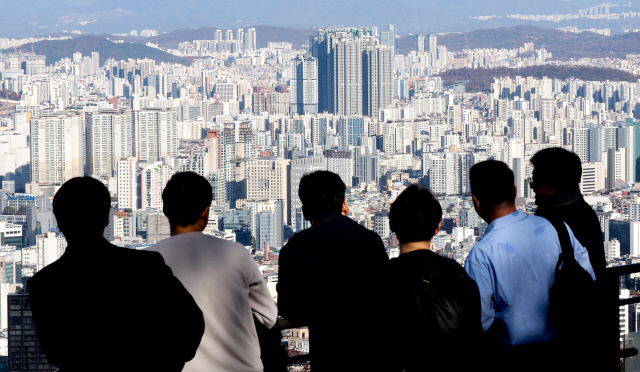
(580,253)
(478,270)
(262,304)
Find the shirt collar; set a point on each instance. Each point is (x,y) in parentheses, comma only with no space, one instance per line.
(505,221)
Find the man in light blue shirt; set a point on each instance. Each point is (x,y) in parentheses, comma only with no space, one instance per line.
(514,262)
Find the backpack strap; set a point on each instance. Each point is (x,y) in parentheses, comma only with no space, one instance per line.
(565,240)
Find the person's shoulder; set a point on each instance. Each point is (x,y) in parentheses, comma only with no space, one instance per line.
(194,241)
(47,276)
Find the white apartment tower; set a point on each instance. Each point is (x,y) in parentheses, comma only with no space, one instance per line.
(128,184)
(303,86)
(57,148)
(109,138)
(156,134)
(153,179)
(250,40)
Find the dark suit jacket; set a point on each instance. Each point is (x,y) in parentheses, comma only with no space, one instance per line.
(570,207)
(330,279)
(101,307)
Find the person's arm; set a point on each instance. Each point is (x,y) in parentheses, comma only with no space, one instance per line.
(580,253)
(260,300)
(176,302)
(478,270)
(293,292)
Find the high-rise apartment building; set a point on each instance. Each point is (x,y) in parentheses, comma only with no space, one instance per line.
(250,40)
(354,71)
(24,349)
(340,163)
(420,46)
(156,134)
(350,128)
(128,184)
(268,179)
(109,138)
(265,229)
(57,148)
(432,43)
(381,223)
(228,35)
(377,68)
(239,35)
(593,177)
(153,179)
(303,86)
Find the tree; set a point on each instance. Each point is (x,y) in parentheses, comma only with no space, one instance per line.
(9,210)
(449,209)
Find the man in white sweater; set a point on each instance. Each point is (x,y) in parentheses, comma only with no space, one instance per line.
(220,275)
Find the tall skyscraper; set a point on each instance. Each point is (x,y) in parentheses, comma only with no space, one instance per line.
(377,70)
(109,139)
(420,46)
(303,86)
(57,148)
(239,35)
(353,70)
(218,35)
(128,184)
(432,45)
(156,134)
(228,35)
(250,40)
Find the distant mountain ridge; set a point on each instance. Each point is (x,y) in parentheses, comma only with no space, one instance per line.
(55,50)
(562,45)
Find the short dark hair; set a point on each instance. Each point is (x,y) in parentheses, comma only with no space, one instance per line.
(322,195)
(492,183)
(185,197)
(557,167)
(82,206)
(415,215)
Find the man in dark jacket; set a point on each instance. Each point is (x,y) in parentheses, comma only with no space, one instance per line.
(103,308)
(425,286)
(330,280)
(555,180)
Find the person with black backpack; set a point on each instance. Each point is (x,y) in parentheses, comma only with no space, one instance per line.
(516,264)
(434,304)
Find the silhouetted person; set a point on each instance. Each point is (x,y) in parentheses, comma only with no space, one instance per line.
(104,308)
(514,266)
(330,279)
(422,285)
(556,176)
(555,180)
(220,275)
